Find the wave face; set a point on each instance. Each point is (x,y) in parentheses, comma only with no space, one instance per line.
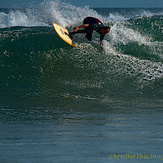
(36,63)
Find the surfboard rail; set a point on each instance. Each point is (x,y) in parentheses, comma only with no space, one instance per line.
(63,34)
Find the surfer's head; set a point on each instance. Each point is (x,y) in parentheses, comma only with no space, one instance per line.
(105,30)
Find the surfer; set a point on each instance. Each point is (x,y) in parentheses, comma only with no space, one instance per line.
(90,24)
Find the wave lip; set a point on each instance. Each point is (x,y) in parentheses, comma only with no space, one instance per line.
(19,18)
(44,14)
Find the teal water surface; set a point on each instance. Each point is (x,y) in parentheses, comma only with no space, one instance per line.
(64,104)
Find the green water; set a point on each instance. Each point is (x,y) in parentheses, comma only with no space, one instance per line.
(64,104)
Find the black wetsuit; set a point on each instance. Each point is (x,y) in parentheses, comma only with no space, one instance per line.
(94,24)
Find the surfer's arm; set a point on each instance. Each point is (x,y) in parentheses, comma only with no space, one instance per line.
(75,29)
(101,41)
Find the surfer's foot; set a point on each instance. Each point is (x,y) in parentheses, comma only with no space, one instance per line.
(71,35)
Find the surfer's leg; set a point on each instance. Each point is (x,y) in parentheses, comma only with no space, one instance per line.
(81,31)
(89,34)
(78,31)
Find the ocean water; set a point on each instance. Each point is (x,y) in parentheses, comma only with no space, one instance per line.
(64,104)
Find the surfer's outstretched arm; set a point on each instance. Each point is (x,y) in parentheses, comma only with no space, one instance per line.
(75,29)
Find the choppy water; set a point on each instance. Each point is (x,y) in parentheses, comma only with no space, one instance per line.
(64,104)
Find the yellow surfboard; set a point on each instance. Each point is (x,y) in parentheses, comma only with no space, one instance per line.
(63,34)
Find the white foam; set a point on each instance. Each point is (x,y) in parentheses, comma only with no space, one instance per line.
(47,12)
(122,35)
(18,18)
(65,14)
(116,17)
